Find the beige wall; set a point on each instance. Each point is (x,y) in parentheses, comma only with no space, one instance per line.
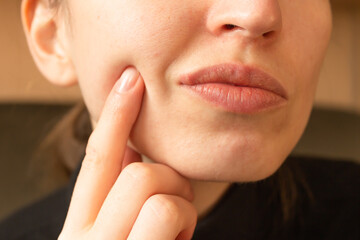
(20,81)
(356,62)
(339,84)
(338,87)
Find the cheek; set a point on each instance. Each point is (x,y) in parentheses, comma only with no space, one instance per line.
(149,37)
(307,37)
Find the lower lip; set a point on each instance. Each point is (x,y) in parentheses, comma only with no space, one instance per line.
(238,99)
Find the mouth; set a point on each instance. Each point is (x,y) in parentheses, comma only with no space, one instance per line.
(235,88)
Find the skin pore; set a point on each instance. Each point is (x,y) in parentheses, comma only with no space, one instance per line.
(94,42)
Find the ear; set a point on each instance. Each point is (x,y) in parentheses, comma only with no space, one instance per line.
(46,38)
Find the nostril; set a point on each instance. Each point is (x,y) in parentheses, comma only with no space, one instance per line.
(253,34)
(268,34)
(229,26)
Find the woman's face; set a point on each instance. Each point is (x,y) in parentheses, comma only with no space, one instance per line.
(166,39)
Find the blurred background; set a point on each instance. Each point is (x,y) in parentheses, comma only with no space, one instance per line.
(30,106)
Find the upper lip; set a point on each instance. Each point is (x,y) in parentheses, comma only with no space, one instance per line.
(234,74)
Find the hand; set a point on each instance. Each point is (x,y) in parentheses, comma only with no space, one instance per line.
(113,199)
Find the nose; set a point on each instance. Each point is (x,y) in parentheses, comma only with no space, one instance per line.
(251,19)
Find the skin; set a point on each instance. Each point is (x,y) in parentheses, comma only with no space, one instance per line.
(191,142)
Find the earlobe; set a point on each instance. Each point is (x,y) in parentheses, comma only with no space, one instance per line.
(46,38)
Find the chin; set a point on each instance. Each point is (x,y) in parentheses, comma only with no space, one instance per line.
(229,168)
(221,164)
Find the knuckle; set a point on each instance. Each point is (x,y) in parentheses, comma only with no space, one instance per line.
(92,158)
(164,208)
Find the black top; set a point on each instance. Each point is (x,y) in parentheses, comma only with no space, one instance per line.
(327,208)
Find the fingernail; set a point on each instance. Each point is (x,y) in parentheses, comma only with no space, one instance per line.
(127,80)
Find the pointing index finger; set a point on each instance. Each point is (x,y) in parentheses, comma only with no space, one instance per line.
(105,150)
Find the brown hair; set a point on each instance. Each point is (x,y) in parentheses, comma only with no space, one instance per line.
(60,6)
(62,149)
(54,3)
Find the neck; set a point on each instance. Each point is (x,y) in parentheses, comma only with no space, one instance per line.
(207,193)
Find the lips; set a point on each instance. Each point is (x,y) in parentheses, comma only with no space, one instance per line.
(235,88)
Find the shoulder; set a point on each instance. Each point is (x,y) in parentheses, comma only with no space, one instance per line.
(334,212)
(331,178)
(42,220)
(39,221)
